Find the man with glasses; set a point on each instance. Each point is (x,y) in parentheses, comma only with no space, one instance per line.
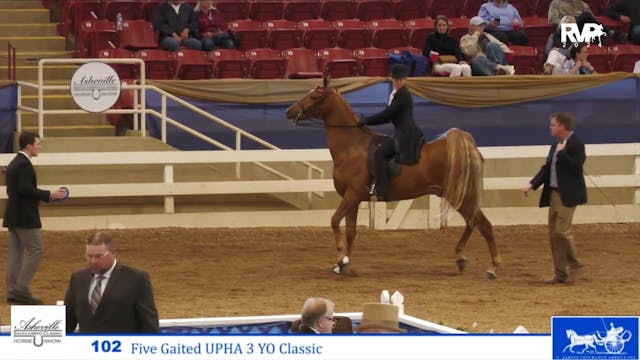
(317,316)
(109,296)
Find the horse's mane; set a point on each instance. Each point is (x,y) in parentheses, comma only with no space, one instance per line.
(335,94)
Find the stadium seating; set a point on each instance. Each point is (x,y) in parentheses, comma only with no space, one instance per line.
(148,9)
(229,63)
(93,36)
(124,71)
(409,9)
(191,65)
(419,29)
(73,13)
(388,33)
(250,34)
(337,62)
(352,34)
(260,10)
(233,9)
(524,60)
(282,34)
(298,10)
(471,8)
(449,8)
(129,9)
(524,7)
(265,64)
(542,8)
(367,10)
(600,58)
(317,34)
(625,57)
(332,10)
(136,35)
(458,27)
(372,61)
(158,63)
(538,30)
(301,63)
(399,50)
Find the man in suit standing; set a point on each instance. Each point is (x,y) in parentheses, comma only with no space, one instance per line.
(407,141)
(109,296)
(22,217)
(564,189)
(317,316)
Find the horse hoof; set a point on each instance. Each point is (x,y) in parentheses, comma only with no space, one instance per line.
(336,269)
(491,274)
(462,263)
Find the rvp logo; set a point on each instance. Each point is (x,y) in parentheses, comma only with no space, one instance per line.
(569,33)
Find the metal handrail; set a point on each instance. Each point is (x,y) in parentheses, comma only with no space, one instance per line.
(11,61)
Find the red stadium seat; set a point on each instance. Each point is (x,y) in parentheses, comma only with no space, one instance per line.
(596,6)
(229,63)
(538,30)
(524,60)
(367,10)
(129,9)
(265,64)
(93,36)
(419,29)
(625,57)
(372,61)
(472,7)
(600,58)
(137,34)
(458,27)
(332,10)
(613,24)
(409,9)
(449,8)
(524,7)
(338,62)
(317,34)
(148,9)
(251,34)
(125,71)
(76,13)
(233,9)
(352,34)
(301,63)
(542,8)
(158,63)
(388,33)
(399,50)
(298,10)
(260,10)
(191,65)
(282,34)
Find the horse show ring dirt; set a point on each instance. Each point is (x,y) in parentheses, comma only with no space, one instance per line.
(270,271)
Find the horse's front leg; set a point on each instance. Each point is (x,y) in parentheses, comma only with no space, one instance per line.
(347,205)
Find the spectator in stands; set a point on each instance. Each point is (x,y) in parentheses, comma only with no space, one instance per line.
(380,319)
(445,50)
(487,54)
(556,52)
(627,12)
(317,316)
(580,10)
(575,64)
(177,24)
(564,189)
(212,29)
(108,296)
(503,21)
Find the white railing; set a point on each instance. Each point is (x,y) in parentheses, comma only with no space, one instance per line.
(139,111)
(379,216)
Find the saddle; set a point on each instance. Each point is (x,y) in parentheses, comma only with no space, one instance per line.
(394,167)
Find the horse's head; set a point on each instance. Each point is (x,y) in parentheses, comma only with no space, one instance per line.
(570,333)
(310,106)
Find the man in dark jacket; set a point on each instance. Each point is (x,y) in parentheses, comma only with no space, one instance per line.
(627,12)
(22,217)
(408,139)
(177,25)
(564,189)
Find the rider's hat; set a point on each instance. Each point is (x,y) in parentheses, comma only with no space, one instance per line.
(398,71)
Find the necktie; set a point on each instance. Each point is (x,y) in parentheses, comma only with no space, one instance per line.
(96,294)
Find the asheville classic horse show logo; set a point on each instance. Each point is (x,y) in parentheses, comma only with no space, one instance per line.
(593,338)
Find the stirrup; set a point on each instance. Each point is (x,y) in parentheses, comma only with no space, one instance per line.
(372,189)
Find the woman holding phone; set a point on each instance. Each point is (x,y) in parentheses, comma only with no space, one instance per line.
(503,22)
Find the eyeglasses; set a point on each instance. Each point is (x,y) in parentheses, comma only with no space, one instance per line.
(97,257)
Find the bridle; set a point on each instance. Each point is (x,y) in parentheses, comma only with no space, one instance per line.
(313,121)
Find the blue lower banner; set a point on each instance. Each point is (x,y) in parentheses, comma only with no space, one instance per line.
(594,337)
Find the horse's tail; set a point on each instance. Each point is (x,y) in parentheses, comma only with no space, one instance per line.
(463,178)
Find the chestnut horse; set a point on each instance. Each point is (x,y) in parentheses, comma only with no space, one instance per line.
(449,166)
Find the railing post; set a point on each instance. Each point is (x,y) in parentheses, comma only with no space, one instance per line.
(163,121)
(169,205)
(435,212)
(143,99)
(41,98)
(238,148)
(637,172)
(19,110)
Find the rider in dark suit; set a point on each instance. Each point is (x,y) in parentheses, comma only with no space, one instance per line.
(126,303)
(22,217)
(408,138)
(564,189)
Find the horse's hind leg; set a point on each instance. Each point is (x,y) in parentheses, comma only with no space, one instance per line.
(461,260)
(486,229)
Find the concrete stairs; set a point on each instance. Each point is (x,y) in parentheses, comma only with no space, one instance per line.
(26,24)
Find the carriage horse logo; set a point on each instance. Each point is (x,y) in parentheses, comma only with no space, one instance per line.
(595,340)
